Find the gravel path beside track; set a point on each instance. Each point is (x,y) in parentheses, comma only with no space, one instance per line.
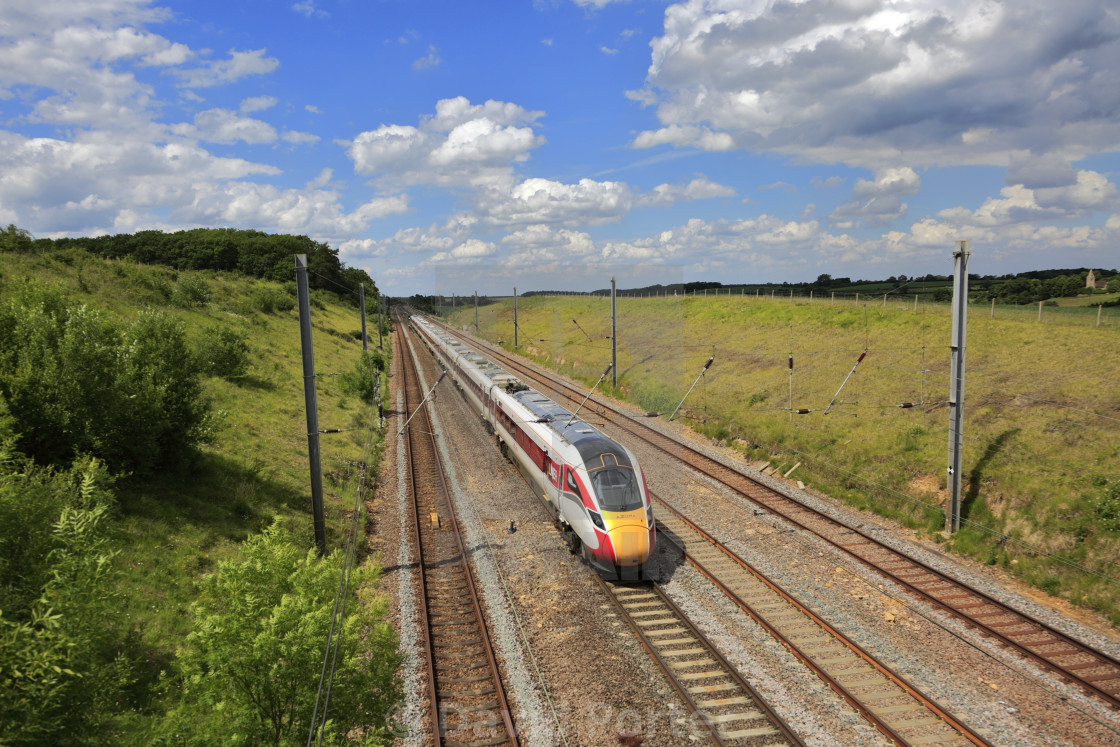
(412,667)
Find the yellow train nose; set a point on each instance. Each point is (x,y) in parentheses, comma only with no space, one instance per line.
(631,544)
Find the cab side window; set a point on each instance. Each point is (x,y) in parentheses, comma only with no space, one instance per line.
(570,481)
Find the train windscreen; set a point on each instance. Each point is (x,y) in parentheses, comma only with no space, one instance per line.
(616,489)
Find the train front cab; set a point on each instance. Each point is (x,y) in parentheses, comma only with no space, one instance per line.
(624,526)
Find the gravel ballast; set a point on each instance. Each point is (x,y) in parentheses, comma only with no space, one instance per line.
(578,676)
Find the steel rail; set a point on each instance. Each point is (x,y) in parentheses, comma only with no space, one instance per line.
(697,708)
(865,709)
(1067,647)
(444,490)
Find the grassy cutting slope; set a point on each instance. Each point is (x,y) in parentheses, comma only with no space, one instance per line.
(173,527)
(1042,409)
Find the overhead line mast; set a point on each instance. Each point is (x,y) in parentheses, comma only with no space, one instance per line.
(956,383)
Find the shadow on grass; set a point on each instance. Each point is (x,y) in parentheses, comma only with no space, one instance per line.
(256,382)
(976,474)
(219,493)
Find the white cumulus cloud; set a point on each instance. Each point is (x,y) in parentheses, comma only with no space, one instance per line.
(879,82)
(240,64)
(225,126)
(432,59)
(257,104)
(537,244)
(461,144)
(877,201)
(699,188)
(537,200)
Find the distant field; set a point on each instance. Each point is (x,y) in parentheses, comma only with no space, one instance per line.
(1079,311)
(1042,409)
(1093,300)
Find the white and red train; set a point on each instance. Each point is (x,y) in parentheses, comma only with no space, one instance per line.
(592,485)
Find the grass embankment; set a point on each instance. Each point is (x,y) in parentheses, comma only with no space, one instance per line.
(1042,407)
(173,527)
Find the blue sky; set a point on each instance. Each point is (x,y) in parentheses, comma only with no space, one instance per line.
(457,147)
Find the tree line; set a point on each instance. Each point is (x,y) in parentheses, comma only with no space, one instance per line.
(252,253)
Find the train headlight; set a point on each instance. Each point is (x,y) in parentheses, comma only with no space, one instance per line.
(597,520)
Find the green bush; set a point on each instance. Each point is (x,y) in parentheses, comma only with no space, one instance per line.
(64,674)
(77,382)
(360,380)
(191,291)
(1107,508)
(223,352)
(268,300)
(249,671)
(159,283)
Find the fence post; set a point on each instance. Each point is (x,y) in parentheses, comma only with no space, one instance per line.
(1040,311)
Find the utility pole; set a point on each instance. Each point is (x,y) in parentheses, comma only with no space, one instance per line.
(380,298)
(614,338)
(515,317)
(476,313)
(310,405)
(956,382)
(362,304)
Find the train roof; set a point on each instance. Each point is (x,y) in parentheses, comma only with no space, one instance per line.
(590,443)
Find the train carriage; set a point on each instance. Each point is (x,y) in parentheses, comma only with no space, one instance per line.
(592,485)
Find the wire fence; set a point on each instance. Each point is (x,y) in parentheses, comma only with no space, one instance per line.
(1045,312)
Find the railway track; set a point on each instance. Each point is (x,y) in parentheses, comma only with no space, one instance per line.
(896,708)
(725,706)
(1093,671)
(468,702)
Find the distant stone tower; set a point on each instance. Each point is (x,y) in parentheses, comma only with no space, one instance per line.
(1092,282)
